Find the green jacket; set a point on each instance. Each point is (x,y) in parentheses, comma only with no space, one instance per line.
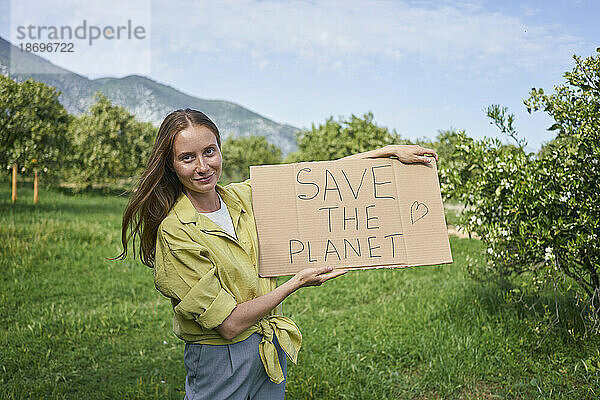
(205,273)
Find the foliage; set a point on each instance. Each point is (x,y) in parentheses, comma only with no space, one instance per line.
(540,217)
(444,144)
(33,127)
(504,122)
(239,153)
(451,165)
(337,139)
(572,172)
(108,144)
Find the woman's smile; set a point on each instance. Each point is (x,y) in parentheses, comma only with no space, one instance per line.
(205,178)
(197,164)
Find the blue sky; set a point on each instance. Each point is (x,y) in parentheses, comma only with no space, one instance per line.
(419,66)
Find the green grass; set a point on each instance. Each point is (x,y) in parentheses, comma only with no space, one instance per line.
(74,325)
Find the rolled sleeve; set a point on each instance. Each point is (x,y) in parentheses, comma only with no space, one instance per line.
(206,302)
(191,279)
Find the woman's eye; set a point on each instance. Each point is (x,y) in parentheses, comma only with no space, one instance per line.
(187,157)
(210,151)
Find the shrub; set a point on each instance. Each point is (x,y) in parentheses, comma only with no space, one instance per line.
(539,216)
(337,139)
(239,153)
(108,145)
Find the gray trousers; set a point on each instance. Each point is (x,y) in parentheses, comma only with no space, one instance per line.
(232,371)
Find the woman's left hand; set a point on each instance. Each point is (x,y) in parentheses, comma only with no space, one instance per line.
(406,153)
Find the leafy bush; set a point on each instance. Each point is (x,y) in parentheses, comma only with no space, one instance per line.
(108,145)
(239,153)
(540,216)
(337,139)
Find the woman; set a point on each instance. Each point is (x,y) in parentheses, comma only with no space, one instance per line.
(201,240)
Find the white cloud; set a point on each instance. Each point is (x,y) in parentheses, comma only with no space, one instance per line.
(335,35)
(530,11)
(460,35)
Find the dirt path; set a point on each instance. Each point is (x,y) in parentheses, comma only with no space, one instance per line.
(458,232)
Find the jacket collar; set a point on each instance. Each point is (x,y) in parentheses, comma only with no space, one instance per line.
(186,213)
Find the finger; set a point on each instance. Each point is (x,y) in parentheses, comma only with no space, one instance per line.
(422,159)
(333,274)
(340,272)
(423,151)
(323,270)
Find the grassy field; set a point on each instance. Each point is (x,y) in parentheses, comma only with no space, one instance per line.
(74,325)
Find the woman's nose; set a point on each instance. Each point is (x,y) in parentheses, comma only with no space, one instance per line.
(201,166)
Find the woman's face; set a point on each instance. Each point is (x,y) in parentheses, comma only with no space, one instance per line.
(197,159)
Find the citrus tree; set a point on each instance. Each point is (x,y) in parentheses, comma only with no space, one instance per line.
(337,139)
(239,153)
(539,216)
(108,144)
(33,126)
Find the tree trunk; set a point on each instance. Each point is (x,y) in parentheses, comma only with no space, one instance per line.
(35,188)
(14,182)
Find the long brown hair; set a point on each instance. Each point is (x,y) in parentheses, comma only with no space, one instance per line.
(158,187)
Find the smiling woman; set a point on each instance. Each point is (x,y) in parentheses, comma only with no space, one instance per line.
(201,240)
(197,163)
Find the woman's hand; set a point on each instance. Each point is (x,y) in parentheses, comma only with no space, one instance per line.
(407,153)
(249,312)
(316,276)
(410,153)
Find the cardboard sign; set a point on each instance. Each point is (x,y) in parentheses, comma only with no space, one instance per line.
(348,214)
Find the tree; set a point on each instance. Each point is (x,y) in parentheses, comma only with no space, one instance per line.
(540,216)
(239,153)
(33,126)
(504,122)
(450,166)
(108,144)
(336,139)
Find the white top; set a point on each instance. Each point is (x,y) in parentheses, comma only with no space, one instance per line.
(222,218)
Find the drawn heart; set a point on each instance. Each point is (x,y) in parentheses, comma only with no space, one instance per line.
(418,211)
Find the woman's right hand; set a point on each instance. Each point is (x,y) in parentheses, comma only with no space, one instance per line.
(249,312)
(316,276)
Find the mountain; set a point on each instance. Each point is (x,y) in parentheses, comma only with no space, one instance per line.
(145,98)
